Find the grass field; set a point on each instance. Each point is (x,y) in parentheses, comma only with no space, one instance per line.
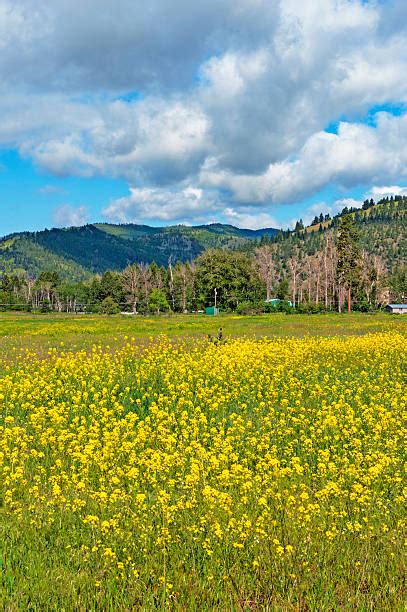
(41,332)
(144,472)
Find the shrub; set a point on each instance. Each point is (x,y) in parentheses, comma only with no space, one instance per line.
(158,301)
(247,307)
(285,306)
(45,306)
(109,306)
(310,308)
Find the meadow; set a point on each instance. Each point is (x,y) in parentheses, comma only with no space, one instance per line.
(144,467)
(39,333)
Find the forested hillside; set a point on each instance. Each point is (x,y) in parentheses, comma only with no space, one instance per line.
(381,232)
(77,252)
(356,259)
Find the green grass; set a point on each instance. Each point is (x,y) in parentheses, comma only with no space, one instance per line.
(21,330)
(241,452)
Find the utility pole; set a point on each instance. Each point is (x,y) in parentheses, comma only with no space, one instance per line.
(349,298)
(171,283)
(216,294)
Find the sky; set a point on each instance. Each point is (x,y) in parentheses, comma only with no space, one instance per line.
(249,112)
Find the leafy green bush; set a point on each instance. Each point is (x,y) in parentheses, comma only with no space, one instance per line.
(247,308)
(362,306)
(310,308)
(270,308)
(285,306)
(158,301)
(45,306)
(109,306)
(11,301)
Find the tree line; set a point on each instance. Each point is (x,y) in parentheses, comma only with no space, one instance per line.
(338,275)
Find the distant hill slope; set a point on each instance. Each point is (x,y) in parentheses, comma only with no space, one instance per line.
(78,252)
(382,231)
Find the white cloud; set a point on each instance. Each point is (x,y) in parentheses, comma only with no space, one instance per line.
(68,216)
(186,205)
(356,155)
(66,157)
(122,45)
(161,205)
(382,192)
(229,95)
(326,208)
(247,219)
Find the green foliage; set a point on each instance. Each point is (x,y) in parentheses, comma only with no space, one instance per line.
(398,285)
(381,230)
(158,301)
(285,306)
(111,286)
(57,265)
(282,289)
(109,306)
(249,308)
(45,306)
(362,305)
(230,273)
(26,253)
(49,277)
(77,252)
(11,301)
(310,308)
(348,253)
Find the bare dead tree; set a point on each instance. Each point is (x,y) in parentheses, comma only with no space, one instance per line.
(373,274)
(183,281)
(317,262)
(264,263)
(171,282)
(309,270)
(132,281)
(145,280)
(328,265)
(294,266)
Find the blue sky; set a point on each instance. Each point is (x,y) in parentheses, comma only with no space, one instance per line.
(31,197)
(251,115)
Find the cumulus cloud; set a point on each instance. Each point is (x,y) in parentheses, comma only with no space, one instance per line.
(69,216)
(332,209)
(162,205)
(119,45)
(231,96)
(246,218)
(355,155)
(186,205)
(379,192)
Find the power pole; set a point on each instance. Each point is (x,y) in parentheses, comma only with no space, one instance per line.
(216,294)
(171,283)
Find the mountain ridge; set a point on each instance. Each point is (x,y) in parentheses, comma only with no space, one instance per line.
(79,252)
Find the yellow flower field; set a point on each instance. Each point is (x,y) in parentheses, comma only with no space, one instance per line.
(259,474)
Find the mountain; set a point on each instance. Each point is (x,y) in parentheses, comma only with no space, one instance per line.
(381,229)
(78,252)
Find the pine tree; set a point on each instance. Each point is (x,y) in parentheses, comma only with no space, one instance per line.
(348,258)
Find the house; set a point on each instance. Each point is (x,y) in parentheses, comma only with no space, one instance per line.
(276,302)
(212,310)
(397,308)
